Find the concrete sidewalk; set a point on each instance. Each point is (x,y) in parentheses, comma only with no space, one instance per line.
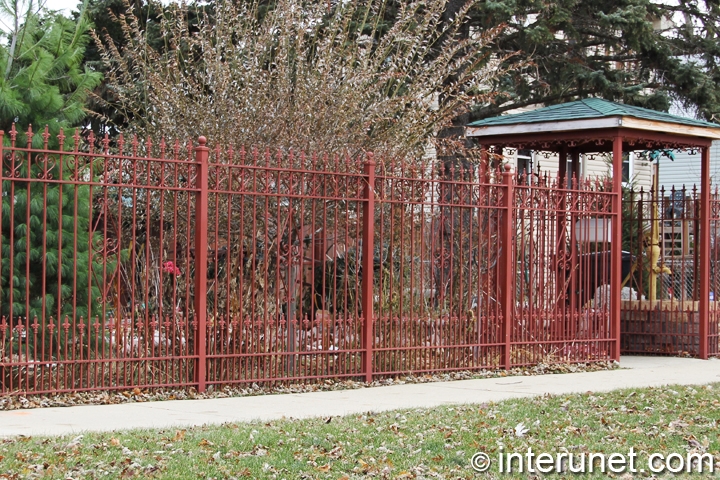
(635,372)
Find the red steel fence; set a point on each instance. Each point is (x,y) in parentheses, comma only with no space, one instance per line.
(660,311)
(138,265)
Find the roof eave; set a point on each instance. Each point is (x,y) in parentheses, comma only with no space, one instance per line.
(543,127)
(672,128)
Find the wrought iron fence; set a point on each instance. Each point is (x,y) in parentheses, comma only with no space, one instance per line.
(139,265)
(661,307)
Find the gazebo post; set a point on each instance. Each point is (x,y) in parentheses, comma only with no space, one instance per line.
(574,184)
(561,220)
(704,242)
(574,166)
(616,245)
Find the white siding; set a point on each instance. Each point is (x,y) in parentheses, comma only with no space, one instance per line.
(600,165)
(548,165)
(642,173)
(596,166)
(592,166)
(685,169)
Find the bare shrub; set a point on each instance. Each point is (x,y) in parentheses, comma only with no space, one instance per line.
(302,75)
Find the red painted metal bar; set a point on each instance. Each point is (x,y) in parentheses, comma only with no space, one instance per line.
(368,240)
(201,263)
(462,261)
(561,252)
(704,258)
(616,246)
(505,272)
(713,338)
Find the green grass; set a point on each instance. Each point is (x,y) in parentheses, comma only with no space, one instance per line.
(420,443)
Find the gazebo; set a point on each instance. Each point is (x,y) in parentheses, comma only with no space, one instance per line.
(593,126)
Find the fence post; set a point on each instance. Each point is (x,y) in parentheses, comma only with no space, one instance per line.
(704,241)
(616,247)
(367,267)
(201,257)
(505,267)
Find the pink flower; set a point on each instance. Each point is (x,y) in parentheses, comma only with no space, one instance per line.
(170,267)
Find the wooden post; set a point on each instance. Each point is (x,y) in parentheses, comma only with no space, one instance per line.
(576,286)
(506,271)
(562,167)
(704,242)
(201,263)
(561,232)
(616,246)
(367,266)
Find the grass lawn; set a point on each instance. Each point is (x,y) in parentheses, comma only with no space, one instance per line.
(421,443)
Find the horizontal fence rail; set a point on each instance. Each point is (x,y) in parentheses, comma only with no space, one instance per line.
(131,264)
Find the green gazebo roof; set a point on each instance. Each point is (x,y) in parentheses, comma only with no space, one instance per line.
(586,119)
(588,108)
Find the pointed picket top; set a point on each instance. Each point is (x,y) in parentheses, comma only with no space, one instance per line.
(46,137)
(13,135)
(106,143)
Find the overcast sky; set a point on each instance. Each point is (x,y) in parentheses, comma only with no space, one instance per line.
(66,5)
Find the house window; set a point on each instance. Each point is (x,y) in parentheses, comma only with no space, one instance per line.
(578,172)
(627,167)
(524,162)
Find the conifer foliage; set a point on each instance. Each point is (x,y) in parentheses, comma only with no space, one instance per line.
(46,241)
(42,77)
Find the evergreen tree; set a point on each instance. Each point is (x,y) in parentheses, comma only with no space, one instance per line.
(45,227)
(641,52)
(43,80)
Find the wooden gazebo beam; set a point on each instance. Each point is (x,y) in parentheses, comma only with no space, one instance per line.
(600,141)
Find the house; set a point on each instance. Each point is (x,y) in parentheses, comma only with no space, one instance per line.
(684,169)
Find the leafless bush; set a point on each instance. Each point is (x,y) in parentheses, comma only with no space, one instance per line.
(301,75)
